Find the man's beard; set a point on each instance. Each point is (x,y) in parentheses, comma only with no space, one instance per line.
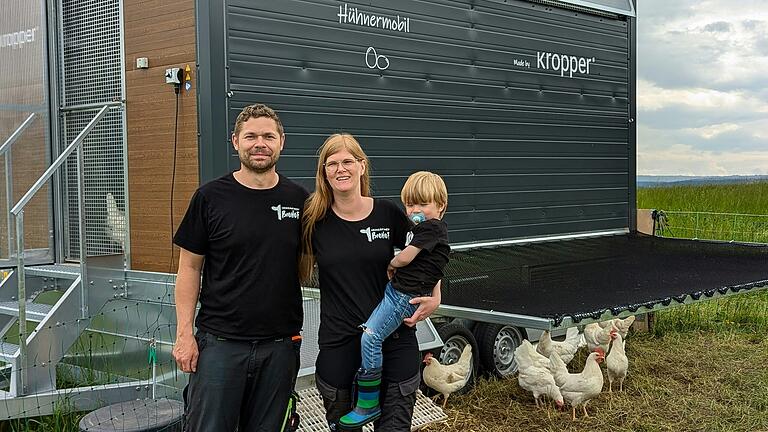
(259,167)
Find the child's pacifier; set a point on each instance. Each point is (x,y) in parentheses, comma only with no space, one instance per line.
(417,217)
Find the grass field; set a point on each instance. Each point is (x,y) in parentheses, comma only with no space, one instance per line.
(702,368)
(748,198)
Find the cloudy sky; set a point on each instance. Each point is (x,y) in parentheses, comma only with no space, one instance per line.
(702,87)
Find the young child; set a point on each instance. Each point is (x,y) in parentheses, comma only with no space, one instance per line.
(414,272)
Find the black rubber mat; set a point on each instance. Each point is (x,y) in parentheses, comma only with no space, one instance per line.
(585,277)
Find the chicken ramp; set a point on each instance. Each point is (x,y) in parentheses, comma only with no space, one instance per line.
(547,285)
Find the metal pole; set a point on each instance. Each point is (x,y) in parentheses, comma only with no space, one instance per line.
(696,232)
(90,106)
(9,200)
(22,283)
(81,231)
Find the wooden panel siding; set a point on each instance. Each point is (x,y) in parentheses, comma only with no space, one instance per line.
(165,34)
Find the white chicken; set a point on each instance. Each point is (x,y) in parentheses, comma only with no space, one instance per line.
(115,221)
(617,363)
(540,382)
(578,389)
(598,337)
(536,379)
(565,349)
(525,353)
(622,325)
(446,379)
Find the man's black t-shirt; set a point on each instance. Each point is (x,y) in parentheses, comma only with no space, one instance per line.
(251,241)
(352,257)
(423,272)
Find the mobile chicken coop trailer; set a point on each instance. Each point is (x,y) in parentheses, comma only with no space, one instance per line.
(526,108)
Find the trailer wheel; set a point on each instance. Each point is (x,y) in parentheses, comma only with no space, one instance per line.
(455,337)
(497,347)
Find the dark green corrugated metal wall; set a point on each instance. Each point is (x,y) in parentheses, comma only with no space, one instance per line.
(524,151)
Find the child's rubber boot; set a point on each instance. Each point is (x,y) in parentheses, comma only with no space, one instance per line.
(367,408)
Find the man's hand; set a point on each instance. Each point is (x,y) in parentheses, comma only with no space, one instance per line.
(185,352)
(427,305)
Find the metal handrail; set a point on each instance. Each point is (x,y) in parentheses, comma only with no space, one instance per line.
(5,150)
(75,145)
(90,106)
(16,134)
(17,212)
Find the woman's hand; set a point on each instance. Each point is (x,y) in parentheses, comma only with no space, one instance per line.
(390,271)
(427,306)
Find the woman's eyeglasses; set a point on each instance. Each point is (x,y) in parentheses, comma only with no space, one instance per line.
(333,166)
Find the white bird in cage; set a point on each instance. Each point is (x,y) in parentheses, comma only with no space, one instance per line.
(115,221)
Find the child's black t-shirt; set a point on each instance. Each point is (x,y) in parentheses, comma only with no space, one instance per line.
(422,274)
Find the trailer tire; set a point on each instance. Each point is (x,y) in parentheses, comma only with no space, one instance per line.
(497,347)
(455,337)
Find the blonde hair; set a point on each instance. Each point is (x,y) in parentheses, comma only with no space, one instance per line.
(320,200)
(425,187)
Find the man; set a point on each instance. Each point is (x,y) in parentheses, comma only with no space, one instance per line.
(243,231)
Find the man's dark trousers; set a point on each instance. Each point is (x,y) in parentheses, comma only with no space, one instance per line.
(244,384)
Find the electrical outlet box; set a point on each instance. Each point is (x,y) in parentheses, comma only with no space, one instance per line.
(142,63)
(173,76)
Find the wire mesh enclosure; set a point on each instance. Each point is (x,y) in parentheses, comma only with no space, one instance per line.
(91,67)
(751,228)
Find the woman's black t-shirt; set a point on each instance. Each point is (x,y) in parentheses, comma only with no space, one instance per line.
(352,257)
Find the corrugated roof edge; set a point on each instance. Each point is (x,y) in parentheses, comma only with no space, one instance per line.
(589,7)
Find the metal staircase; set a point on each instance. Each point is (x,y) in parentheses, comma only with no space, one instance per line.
(31,357)
(45,345)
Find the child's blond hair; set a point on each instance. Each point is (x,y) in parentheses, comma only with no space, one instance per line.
(425,187)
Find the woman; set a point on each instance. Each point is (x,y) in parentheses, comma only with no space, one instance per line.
(352,237)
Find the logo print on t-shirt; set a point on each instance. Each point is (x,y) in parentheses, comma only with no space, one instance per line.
(408,238)
(375,233)
(286,212)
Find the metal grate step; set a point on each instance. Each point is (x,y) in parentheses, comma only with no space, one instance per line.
(59,271)
(5,379)
(7,351)
(312,413)
(35,311)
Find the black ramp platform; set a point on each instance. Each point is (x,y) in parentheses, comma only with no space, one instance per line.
(584,278)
